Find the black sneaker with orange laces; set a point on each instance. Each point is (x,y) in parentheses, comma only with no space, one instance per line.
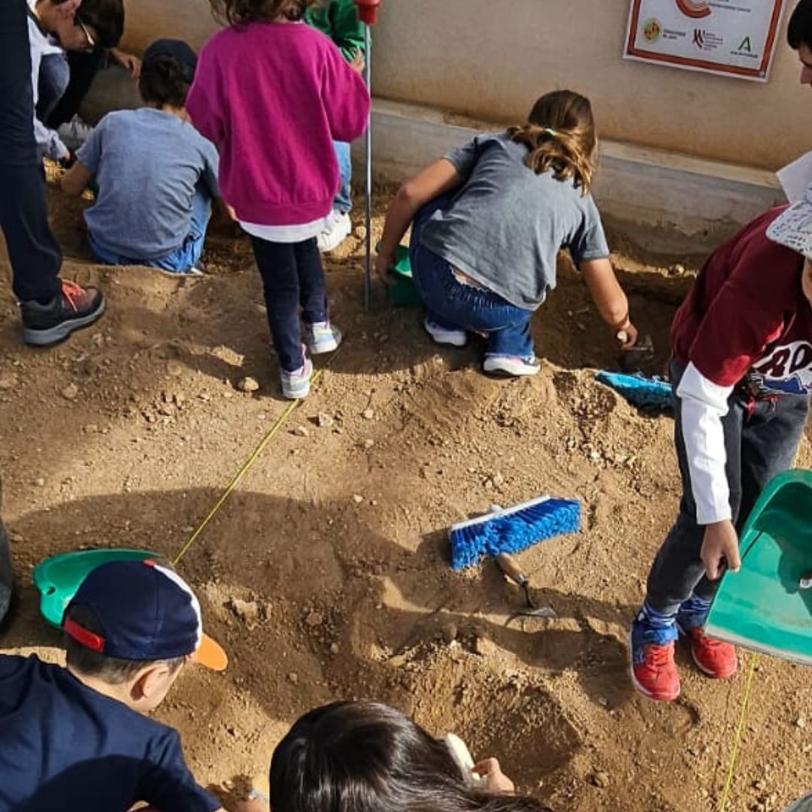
(74,308)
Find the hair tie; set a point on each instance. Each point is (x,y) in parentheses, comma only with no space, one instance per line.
(550,131)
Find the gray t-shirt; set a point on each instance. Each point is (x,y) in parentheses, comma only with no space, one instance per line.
(505,225)
(148,165)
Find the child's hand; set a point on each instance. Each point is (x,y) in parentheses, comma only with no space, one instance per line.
(358,62)
(720,550)
(627,336)
(383,267)
(127,61)
(495,779)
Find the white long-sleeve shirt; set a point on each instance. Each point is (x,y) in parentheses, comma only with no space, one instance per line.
(42,44)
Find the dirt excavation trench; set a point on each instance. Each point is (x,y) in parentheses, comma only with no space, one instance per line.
(326,574)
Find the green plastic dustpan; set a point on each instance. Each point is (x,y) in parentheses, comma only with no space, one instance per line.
(402,292)
(763,606)
(58,578)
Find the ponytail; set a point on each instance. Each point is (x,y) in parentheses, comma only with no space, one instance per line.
(560,138)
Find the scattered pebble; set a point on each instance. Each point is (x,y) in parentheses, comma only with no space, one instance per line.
(70,392)
(368,444)
(324,421)
(8,381)
(301,431)
(800,722)
(334,649)
(91,428)
(293,677)
(599,779)
(357,498)
(39,482)
(247,611)
(368,414)
(248,385)
(314,619)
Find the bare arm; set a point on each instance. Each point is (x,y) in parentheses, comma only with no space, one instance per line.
(609,298)
(76,180)
(435,180)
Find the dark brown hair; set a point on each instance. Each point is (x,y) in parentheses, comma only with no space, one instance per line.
(242,12)
(560,137)
(164,80)
(368,757)
(106,18)
(111,670)
(799,30)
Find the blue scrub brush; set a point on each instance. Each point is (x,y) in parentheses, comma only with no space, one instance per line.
(513,529)
(640,391)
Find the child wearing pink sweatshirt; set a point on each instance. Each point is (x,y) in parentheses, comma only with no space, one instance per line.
(273,94)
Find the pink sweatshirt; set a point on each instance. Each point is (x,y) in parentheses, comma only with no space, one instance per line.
(273,97)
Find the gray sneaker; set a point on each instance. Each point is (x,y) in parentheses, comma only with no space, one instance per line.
(321,337)
(296,385)
(512,366)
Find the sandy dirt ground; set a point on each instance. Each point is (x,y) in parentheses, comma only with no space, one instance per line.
(326,574)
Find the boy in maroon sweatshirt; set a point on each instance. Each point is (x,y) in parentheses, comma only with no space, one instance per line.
(742,376)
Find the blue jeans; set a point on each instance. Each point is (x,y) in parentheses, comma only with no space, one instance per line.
(455,306)
(292,281)
(343,200)
(54,78)
(182,259)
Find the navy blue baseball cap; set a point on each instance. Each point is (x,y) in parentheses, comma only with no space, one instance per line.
(146,612)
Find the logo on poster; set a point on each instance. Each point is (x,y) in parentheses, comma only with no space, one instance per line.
(695,9)
(706,40)
(652,30)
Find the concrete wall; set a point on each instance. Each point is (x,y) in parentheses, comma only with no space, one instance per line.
(490,59)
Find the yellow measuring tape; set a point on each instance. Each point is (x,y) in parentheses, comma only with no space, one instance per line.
(244,469)
(734,756)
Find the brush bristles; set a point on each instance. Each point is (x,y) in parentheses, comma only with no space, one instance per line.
(513,532)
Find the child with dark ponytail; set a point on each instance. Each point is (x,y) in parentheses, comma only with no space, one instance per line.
(368,757)
(488,221)
(156,175)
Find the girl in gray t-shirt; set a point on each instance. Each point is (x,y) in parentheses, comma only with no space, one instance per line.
(488,221)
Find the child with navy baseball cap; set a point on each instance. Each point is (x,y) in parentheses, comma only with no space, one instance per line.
(76,737)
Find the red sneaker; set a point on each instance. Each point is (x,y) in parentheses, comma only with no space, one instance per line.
(713,657)
(654,672)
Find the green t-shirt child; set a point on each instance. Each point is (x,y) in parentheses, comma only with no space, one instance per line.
(338,19)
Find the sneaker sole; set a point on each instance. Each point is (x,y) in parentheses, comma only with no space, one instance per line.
(322,349)
(707,672)
(58,333)
(454,342)
(295,394)
(639,688)
(502,372)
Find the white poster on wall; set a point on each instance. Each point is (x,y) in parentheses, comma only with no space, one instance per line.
(728,37)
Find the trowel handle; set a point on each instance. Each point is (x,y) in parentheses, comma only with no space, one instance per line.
(511,569)
(368,11)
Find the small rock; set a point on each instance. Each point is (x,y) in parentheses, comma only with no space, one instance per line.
(800,722)
(334,649)
(314,619)
(449,632)
(760,784)
(301,431)
(8,381)
(70,392)
(357,498)
(599,779)
(91,428)
(39,482)
(248,385)
(368,414)
(324,421)
(368,444)
(497,479)
(293,677)
(247,611)
(677,270)
(361,232)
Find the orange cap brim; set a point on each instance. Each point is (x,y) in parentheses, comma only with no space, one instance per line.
(210,654)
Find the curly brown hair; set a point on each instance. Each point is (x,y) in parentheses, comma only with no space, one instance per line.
(242,12)
(560,136)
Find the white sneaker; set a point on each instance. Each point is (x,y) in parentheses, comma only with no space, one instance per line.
(296,385)
(336,230)
(441,335)
(514,366)
(74,133)
(321,337)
